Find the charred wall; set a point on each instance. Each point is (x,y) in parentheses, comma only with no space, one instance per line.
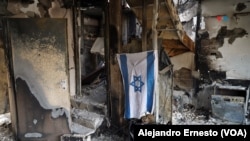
(223,47)
(35,74)
(224,41)
(212,65)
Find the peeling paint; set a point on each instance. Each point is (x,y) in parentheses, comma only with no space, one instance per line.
(50,128)
(37,65)
(40,60)
(240,6)
(40,8)
(214,59)
(230,34)
(30,7)
(224,55)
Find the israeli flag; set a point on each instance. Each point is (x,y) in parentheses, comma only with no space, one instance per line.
(139,73)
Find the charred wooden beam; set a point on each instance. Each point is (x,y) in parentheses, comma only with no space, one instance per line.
(144,25)
(107,56)
(173,47)
(76,49)
(116,87)
(184,38)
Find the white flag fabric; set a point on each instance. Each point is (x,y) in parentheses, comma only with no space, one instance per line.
(139,73)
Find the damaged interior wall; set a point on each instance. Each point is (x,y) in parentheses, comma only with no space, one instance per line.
(45,101)
(225,41)
(46,9)
(223,57)
(39,71)
(222,51)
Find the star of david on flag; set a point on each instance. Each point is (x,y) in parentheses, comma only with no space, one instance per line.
(137,83)
(139,74)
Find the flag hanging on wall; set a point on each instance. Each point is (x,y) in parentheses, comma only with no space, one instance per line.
(139,73)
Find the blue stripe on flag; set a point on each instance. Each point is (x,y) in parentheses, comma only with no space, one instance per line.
(124,69)
(150,80)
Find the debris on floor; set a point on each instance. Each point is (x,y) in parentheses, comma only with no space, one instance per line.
(192,117)
(6,133)
(95,125)
(185,113)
